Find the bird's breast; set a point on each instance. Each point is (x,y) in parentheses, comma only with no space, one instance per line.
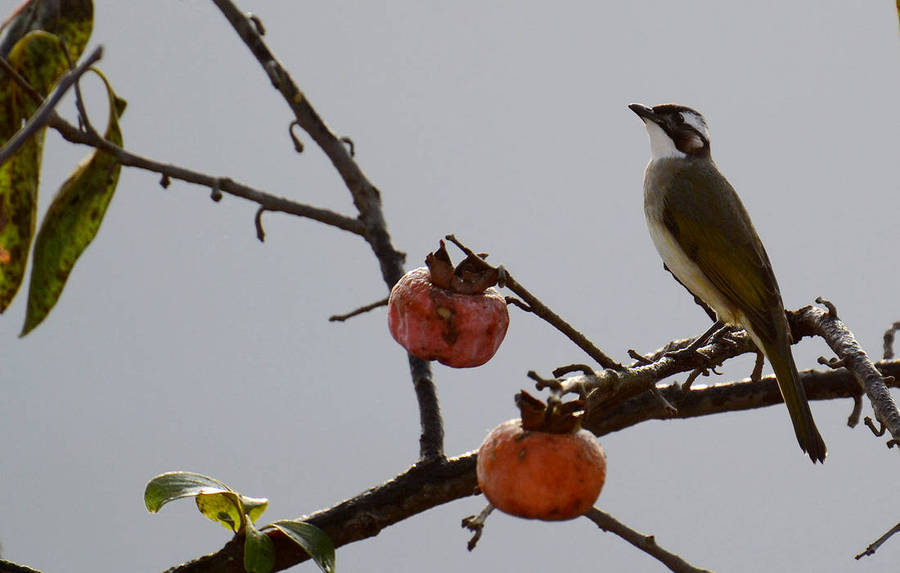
(684,268)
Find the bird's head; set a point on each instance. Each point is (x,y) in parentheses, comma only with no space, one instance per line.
(675,130)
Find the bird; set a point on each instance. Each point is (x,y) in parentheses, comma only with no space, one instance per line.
(707,241)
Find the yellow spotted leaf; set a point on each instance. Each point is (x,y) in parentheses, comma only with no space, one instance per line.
(39,59)
(72,221)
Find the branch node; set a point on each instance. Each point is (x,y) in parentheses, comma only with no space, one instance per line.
(686,386)
(832,310)
(569,368)
(889,340)
(358,311)
(669,411)
(855,414)
(476,523)
(639,358)
(164,181)
(542,383)
(216,193)
(298,145)
(871,425)
(260,232)
(516,302)
(351,148)
(756,375)
(833,363)
(257,23)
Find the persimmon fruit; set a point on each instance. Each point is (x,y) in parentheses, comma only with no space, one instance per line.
(541,475)
(461,330)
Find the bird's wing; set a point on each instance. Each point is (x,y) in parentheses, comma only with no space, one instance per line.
(714,230)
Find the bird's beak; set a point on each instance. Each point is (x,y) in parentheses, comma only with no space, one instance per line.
(644,112)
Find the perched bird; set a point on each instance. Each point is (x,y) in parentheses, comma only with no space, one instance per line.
(706,240)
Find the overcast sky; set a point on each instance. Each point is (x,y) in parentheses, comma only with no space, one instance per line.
(181,342)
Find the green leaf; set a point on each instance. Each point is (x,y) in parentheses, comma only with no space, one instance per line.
(72,221)
(39,60)
(71,20)
(259,551)
(254,506)
(224,508)
(175,485)
(312,539)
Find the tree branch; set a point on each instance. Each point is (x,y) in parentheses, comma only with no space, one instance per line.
(222,184)
(815,321)
(534,305)
(646,543)
(429,484)
(45,111)
(420,488)
(366,198)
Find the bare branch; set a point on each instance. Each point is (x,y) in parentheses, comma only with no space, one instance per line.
(222,184)
(815,321)
(889,341)
(873,547)
(646,543)
(366,198)
(423,486)
(358,311)
(475,523)
(727,397)
(41,117)
(535,306)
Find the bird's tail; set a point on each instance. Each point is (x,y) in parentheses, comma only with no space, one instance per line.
(779,354)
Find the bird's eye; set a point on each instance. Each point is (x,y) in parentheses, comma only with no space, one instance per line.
(679,118)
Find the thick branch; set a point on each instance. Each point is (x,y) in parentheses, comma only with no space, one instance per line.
(420,488)
(726,397)
(428,485)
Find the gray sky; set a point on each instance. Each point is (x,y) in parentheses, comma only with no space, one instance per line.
(181,342)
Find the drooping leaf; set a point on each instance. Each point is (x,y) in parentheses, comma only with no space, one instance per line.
(312,539)
(259,551)
(225,508)
(72,221)
(176,485)
(71,20)
(38,58)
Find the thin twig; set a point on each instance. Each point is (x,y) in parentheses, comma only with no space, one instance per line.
(889,341)
(358,311)
(873,547)
(543,311)
(475,523)
(646,543)
(257,221)
(42,115)
(222,184)
(856,412)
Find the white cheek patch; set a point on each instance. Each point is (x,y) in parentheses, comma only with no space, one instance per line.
(661,145)
(697,122)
